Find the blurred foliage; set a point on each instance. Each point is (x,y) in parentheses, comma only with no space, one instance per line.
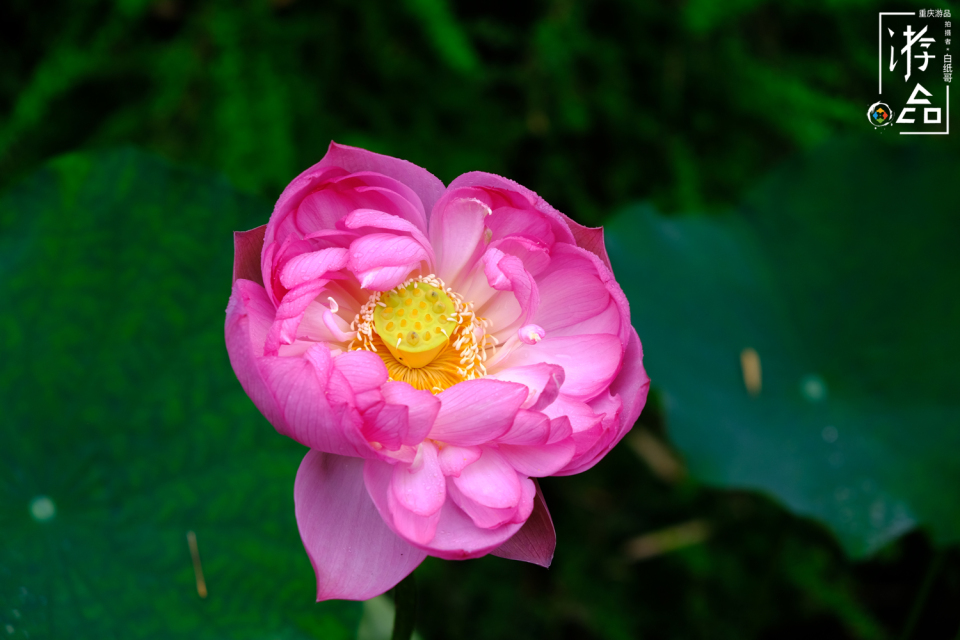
(851,307)
(120,406)
(118,399)
(591,104)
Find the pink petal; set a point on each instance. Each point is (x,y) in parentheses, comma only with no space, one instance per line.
(386,278)
(422,409)
(538,461)
(632,385)
(455,535)
(490,517)
(316,401)
(573,297)
(420,181)
(381,261)
(310,266)
(590,362)
(506,273)
(354,554)
(458,538)
(420,487)
(519,196)
(541,379)
(477,411)
(384,424)
(364,370)
(416,529)
(249,316)
(456,232)
(532,253)
(536,541)
(453,459)
(529,427)
(247,247)
(290,313)
(360,218)
(589,238)
(490,481)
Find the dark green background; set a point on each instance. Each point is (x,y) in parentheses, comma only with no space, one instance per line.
(771,217)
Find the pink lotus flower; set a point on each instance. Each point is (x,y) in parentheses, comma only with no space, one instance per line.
(436,348)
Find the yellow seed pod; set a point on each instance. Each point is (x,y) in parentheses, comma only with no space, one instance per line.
(419,347)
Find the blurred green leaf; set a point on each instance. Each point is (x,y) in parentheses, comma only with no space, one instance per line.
(841,271)
(120,407)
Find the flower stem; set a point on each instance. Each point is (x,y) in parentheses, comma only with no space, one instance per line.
(405,599)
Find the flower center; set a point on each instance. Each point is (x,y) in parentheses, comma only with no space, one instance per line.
(425,333)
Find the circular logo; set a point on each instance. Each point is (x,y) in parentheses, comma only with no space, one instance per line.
(879,114)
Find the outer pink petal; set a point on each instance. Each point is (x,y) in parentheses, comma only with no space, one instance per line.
(455,537)
(249,316)
(422,409)
(424,184)
(536,541)
(420,486)
(542,379)
(489,181)
(633,384)
(453,459)
(316,401)
(529,427)
(247,247)
(490,481)
(573,297)
(538,461)
(477,411)
(490,517)
(353,552)
(590,362)
(589,238)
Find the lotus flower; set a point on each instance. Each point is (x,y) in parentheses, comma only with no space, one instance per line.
(437,349)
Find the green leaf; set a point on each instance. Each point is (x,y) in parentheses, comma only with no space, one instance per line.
(841,271)
(123,425)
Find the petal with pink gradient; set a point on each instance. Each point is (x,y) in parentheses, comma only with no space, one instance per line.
(490,481)
(249,316)
(538,461)
(543,381)
(381,261)
(536,541)
(590,362)
(379,220)
(477,411)
(589,238)
(354,554)
(529,427)
(420,486)
(418,180)
(456,231)
(422,409)
(453,459)
(316,402)
(247,247)
(310,266)
(633,384)
(490,517)
(455,535)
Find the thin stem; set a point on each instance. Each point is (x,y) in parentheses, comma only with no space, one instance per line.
(405,598)
(921,598)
